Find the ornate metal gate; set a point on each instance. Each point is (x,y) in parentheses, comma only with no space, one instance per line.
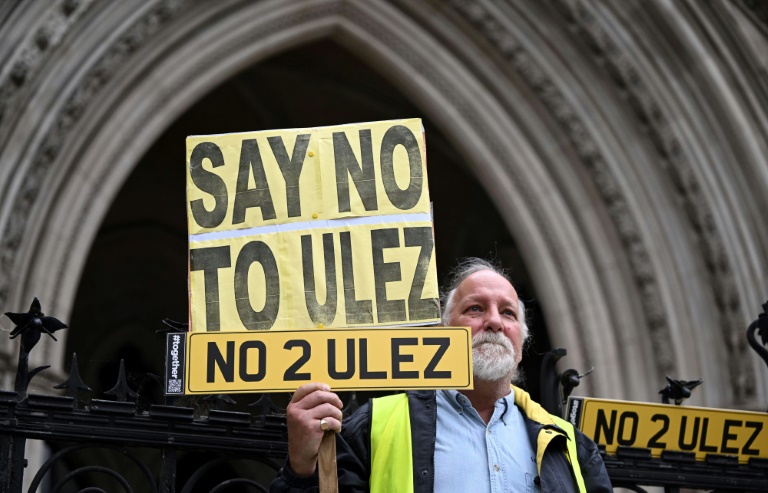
(113,445)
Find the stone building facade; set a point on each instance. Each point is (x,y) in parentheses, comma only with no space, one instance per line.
(614,151)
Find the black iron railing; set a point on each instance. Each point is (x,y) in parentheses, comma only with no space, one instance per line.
(95,445)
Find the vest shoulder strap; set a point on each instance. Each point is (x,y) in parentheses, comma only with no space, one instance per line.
(391,445)
(572,454)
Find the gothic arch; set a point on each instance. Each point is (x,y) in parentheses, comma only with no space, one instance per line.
(634,192)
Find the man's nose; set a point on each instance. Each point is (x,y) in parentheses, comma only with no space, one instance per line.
(493,321)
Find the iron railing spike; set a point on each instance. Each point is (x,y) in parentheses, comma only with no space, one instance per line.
(30,326)
(759,328)
(74,383)
(122,390)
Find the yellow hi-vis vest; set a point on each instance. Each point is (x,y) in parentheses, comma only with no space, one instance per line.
(391,446)
(391,453)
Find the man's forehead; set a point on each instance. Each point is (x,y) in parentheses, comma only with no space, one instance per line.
(484,293)
(486,283)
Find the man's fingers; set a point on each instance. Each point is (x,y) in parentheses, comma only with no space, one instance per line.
(313,395)
(307,419)
(325,410)
(313,410)
(330,424)
(311,403)
(307,389)
(318,398)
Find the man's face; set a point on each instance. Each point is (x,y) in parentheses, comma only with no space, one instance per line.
(488,304)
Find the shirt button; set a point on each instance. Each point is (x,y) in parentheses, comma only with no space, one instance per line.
(489,432)
(496,467)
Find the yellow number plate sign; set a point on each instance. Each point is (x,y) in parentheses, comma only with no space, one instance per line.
(345,359)
(660,427)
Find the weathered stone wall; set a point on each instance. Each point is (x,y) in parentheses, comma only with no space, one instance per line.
(623,141)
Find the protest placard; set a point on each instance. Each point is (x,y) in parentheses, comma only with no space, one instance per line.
(317,227)
(346,359)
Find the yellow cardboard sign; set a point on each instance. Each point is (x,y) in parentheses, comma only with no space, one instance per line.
(319,227)
(346,359)
(660,427)
(364,275)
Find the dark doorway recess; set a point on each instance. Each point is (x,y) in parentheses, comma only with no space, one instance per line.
(136,273)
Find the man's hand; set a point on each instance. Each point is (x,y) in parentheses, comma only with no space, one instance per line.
(311,403)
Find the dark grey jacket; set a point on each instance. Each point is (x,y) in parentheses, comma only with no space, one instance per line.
(353,451)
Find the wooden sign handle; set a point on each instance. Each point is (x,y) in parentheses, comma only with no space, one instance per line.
(326,463)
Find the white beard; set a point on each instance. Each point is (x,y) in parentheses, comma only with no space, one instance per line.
(493,357)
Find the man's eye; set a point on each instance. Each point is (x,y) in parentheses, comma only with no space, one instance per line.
(473,308)
(510,313)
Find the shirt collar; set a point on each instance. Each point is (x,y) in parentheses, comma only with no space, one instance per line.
(460,401)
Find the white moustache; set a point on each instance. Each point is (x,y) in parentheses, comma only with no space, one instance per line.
(491,338)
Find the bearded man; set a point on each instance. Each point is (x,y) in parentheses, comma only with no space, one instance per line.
(492,438)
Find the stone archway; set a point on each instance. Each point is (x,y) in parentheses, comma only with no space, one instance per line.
(142,239)
(603,159)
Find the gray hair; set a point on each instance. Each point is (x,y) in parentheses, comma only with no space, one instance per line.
(465,268)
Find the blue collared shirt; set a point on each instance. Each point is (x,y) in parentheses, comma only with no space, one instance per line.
(472,456)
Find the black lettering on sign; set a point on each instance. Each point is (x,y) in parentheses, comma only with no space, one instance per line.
(245,198)
(257,251)
(757,426)
(602,426)
(291,169)
(262,368)
(622,439)
(703,443)
(208,182)
(216,360)
(383,272)
(418,308)
(408,198)
(684,431)
(332,369)
(292,373)
(210,260)
(365,374)
(363,174)
(728,436)
(398,358)
(325,313)
(357,311)
(654,441)
(442,344)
